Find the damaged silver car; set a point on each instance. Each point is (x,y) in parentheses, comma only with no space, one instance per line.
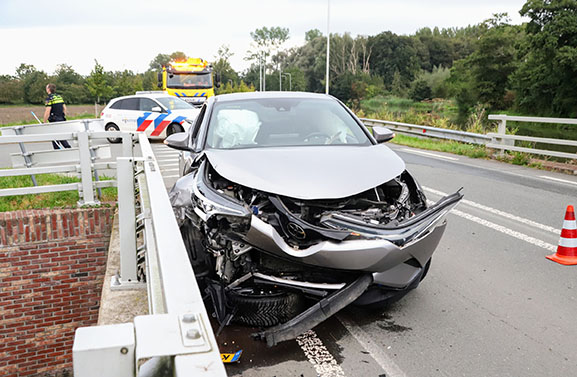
(290,210)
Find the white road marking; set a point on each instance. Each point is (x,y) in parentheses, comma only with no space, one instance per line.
(319,356)
(429,154)
(499,212)
(505,230)
(171,176)
(166,165)
(558,179)
(390,368)
(165,170)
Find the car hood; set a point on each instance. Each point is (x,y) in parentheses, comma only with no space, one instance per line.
(309,172)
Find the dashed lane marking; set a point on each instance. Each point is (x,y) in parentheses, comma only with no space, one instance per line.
(171,176)
(499,212)
(319,356)
(505,230)
(166,170)
(558,179)
(430,154)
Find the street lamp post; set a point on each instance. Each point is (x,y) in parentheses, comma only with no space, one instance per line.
(290,80)
(328,43)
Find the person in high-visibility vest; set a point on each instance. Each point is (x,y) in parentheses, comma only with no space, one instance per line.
(55,112)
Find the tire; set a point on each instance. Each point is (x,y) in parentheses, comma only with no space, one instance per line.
(200,260)
(112,127)
(265,309)
(174,128)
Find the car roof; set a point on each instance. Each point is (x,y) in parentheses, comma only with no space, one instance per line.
(262,95)
(146,95)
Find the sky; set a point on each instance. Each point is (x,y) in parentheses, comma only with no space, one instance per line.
(128,34)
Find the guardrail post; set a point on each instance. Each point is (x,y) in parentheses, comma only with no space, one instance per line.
(127,223)
(127,142)
(502,130)
(85,171)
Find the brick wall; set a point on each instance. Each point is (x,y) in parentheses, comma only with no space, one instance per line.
(52,264)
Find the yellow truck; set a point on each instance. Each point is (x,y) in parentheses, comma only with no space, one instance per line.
(192,80)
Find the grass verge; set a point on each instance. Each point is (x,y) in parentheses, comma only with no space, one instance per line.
(81,116)
(469,150)
(47,200)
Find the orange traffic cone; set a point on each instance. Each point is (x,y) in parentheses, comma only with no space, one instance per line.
(567,250)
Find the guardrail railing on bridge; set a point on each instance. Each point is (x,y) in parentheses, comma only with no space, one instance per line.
(177,334)
(497,140)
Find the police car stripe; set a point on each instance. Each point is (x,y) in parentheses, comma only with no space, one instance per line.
(203,94)
(158,129)
(142,123)
(178,95)
(179,119)
(183,94)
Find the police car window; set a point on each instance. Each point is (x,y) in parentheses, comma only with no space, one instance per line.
(174,103)
(130,104)
(117,105)
(146,104)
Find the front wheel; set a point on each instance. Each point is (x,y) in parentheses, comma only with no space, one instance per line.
(265,306)
(174,128)
(112,127)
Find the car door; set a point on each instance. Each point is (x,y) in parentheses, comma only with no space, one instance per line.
(150,110)
(130,114)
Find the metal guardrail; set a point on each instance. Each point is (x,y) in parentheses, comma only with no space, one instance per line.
(88,135)
(497,140)
(439,133)
(500,140)
(177,334)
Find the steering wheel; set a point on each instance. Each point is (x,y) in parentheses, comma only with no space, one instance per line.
(316,135)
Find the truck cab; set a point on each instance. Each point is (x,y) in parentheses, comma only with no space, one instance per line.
(192,80)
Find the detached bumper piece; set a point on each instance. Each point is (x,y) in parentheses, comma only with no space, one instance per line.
(317,313)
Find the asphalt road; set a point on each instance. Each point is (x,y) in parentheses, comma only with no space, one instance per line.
(491,305)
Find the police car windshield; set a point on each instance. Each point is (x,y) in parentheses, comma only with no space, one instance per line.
(173,103)
(189,80)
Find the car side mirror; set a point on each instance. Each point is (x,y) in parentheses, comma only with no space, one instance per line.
(178,141)
(156,109)
(382,134)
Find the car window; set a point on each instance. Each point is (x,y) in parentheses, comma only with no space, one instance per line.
(198,122)
(146,104)
(130,104)
(117,105)
(271,122)
(174,103)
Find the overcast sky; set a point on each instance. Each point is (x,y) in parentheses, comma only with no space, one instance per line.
(128,34)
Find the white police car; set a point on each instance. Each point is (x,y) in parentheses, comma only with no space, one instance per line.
(155,113)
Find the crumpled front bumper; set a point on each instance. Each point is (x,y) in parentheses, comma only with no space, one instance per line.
(377,253)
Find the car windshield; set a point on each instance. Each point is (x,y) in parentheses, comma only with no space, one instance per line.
(189,80)
(273,122)
(174,103)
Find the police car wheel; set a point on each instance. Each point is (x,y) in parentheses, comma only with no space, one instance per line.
(174,128)
(112,127)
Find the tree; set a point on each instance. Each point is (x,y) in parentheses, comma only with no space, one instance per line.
(222,66)
(392,53)
(420,90)
(33,83)
(10,90)
(547,77)
(97,83)
(70,85)
(265,41)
